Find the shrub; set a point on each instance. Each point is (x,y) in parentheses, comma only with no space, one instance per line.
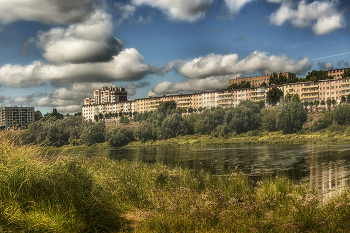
(119,136)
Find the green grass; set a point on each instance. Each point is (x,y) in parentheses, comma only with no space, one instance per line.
(79,194)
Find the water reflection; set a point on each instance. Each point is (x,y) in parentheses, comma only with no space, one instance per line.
(326,167)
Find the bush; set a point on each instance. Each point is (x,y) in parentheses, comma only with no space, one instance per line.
(119,136)
(94,133)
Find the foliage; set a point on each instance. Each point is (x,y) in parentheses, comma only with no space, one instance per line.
(166,105)
(238,86)
(277,79)
(54,113)
(37,115)
(289,116)
(324,121)
(93,133)
(124,120)
(342,114)
(317,75)
(274,95)
(172,126)
(144,131)
(346,73)
(119,136)
(78,114)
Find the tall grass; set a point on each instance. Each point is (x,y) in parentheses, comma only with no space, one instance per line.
(51,195)
(79,194)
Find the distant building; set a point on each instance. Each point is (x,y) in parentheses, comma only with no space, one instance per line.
(256,81)
(337,73)
(16,116)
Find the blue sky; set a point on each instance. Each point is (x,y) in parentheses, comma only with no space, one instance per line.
(54,53)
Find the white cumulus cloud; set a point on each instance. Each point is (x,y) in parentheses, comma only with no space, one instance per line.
(322,16)
(183,10)
(191,85)
(213,65)
(234,6)
(88,41)
(127,66)
(46,11)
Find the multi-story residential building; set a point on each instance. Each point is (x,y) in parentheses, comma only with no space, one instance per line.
(337,73)
(16,116)
(113,100)
(256,81)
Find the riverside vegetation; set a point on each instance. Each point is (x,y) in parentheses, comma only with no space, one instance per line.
(78,194)
(248,122)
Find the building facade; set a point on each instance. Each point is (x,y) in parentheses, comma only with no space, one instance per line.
(256,81)
(113,100)
(15,117)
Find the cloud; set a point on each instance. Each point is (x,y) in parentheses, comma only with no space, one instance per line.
(67,99)
(124,11)
(3,98)
(213,65)
(88,41)
(131,87)
(46,11)
(127,66)
(210,83)
(343,64)
(26,45)
(322,16)
(183,10)
(233,7)
(325,65)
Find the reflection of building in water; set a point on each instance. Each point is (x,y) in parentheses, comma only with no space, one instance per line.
(328,178)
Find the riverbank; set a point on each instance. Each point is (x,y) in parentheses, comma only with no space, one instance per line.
(249,138)
(253,137)
(98,194)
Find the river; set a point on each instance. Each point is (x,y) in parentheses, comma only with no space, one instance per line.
(326,167)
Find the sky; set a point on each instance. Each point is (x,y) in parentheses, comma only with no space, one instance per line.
(55,53)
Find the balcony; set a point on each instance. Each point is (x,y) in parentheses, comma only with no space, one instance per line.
(345,87)
(309,90)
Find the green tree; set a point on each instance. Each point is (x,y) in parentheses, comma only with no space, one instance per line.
(124,120)
(329,103)
(144,131)
(316,103)
(120,136)
(348,99)
(166,105)
(200,109)
(343,99)
(317,75)
(130,114)
(342,114)
(172,126)
(324,121)
(268,120)
(274,95)
(37,115)
(120,114)
(290,116)
(96,118)
(78,114)
(334,102)
(311,104)
(190,110)
(346,73)
(93,133)
(263,84)
(100,116)
(54,113)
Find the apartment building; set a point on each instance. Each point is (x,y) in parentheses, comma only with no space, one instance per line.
(16,116)
(256,81)
(337,73)
(112,100)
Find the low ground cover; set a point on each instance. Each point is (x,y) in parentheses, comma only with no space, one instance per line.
(79,194)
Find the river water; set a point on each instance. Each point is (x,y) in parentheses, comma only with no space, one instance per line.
(326,167)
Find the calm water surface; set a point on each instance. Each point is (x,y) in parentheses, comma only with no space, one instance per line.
(324,166)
